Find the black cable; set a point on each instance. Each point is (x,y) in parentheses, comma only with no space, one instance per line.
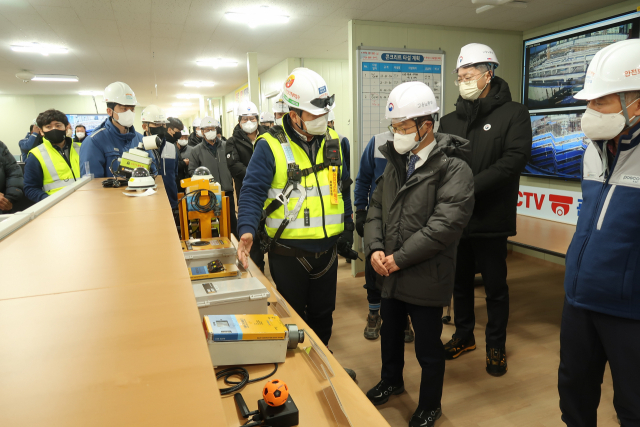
(243,374)
(195,204)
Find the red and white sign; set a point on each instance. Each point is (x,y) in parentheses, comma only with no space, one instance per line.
(546,203)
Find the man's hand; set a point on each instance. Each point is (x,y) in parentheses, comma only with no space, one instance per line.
(361,217)
(186,161)
(390,264)
(5,204)
(377,262)
(244,246)
(35,130)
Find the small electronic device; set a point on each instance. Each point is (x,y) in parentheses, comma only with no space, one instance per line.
(233,296)
(215,266)
(284,415)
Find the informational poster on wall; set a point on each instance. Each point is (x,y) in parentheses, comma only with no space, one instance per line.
(381,70)
(547,203)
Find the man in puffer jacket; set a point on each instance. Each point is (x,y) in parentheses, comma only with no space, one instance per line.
(499,134)
(11,181)
(601,316)
(421,204)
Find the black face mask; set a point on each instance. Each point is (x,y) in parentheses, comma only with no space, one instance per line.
(157,131)
(55,136)
(173,139)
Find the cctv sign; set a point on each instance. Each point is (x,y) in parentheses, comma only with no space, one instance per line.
(546,203)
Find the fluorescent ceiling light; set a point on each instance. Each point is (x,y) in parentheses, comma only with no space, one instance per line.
(43,49)
(54,78)
(257,16)
(217,62)
(91,92)
(188,96)
(199,84)
(181,104)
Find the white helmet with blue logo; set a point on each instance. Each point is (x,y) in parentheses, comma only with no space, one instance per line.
(476,53)
(306,90)
(410,100)
(247,108)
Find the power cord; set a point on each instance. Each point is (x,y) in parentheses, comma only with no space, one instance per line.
(243,374)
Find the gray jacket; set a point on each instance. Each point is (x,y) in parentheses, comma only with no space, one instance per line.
(420,221)
(201,155)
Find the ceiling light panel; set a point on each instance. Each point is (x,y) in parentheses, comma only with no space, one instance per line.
(254,17)
(43,49)
(181,104)
(188,96)
(217,62)
(54,78)
(199,84)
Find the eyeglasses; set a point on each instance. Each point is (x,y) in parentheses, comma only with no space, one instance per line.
(469,78)
(323,102)
(400,131)
(245,119)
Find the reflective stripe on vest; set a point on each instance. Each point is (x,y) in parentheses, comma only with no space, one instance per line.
(52,181)
(318,201)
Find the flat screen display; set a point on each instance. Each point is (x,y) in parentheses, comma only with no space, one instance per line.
(89,121)
(555,65)
(558,145)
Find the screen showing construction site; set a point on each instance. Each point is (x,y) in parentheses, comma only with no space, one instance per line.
(558,145)
(555,65)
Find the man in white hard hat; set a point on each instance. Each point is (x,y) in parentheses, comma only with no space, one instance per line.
(499,132)
(300,164)
(184,153)
(114,136)
(211,154)
(279,110)
(601,316)
(421,204)
(196,136)
(267,119)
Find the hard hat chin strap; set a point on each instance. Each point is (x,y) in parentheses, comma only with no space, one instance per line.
(625,111)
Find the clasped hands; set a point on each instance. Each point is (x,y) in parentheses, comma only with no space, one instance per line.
(383,265)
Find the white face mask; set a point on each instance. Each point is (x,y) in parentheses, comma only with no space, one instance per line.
(249,127)
(316,126)
(211,135)
(470,90)
(125,118)
(279,121)
(183,142)
(80,135)
(405,143)
(603,127)
(199,133)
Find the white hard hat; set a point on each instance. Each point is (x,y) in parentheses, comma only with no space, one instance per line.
(247,108)
(305,89)
(209,122)
(410,100)
(614,69)
(153,114)
(196,122)
(120,93)
(332,116)
(476,53)
(266,117)
(279,106)
(184,132)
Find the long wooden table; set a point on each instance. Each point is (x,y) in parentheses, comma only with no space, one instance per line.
(100,327)
(549,237)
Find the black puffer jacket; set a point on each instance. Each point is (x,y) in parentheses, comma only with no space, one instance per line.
(420,221)
(499,133)
(11,180)
(194,139)
(239,152)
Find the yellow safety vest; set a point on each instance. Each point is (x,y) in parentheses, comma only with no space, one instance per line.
(325,219)
(57,173)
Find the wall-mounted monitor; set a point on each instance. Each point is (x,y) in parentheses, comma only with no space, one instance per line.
(558,145)
(555,65)
(89,121)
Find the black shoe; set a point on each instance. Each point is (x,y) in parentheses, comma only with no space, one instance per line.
(372,330)
(422,418)
(382,391)
(454,348)
(409,336)
(496,361)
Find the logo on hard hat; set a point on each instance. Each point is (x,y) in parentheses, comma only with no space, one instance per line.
(390,106)
(460,60)
(290,80)
(322,90)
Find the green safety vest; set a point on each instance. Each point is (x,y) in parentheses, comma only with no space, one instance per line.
(325,219)
(57,173)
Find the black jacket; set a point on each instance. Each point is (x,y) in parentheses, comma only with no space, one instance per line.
(239,152)
(194,140)
(11,180)
(420,221)
(499,132)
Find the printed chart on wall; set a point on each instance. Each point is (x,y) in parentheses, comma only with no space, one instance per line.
(380,70)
